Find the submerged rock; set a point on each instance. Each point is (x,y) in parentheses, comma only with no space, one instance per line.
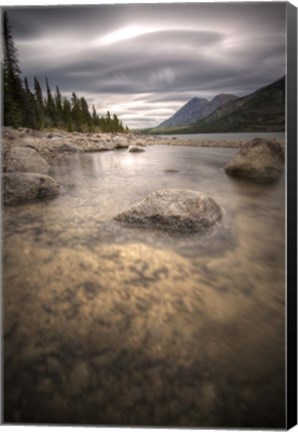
(259,159)
(174,210)
(22,187)
(26,159)
(135,149)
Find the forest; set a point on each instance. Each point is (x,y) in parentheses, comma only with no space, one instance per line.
(31,108)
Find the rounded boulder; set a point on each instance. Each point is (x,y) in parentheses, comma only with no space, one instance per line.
(22,187)
(173,210)
(259,159)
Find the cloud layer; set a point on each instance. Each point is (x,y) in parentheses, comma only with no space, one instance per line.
(143,61)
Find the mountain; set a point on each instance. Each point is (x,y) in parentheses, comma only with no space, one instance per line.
(187,114)
(196,109)
(262,110)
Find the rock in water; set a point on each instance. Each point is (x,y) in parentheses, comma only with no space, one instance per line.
(259,159)
(174,210)
(25,159)
(135,149)
(69,148)
(22,187)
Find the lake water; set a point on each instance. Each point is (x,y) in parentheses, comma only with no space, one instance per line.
(281,136)
(111,325)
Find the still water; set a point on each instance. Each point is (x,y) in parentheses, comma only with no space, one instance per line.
(112,325)
(246,136)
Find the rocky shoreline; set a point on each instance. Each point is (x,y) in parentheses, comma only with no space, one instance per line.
(58,143)
(27,156)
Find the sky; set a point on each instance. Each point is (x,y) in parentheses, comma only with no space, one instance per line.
(144,61)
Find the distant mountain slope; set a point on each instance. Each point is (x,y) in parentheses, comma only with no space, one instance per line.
(196,109)
(262,110)
(187,114)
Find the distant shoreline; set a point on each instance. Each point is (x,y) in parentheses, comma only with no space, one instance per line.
(49,145)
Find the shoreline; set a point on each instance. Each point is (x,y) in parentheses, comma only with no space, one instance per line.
(59,144)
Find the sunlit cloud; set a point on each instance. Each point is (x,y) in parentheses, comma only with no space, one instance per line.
(125,33)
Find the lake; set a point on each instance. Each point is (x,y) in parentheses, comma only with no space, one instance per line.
(111,325)
(281,136)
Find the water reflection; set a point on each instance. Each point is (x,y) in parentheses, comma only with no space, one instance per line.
(106,325)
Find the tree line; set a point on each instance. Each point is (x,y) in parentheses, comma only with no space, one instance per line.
(25,107)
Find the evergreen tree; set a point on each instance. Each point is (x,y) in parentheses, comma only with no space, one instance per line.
(22,107)
(95,119)
(67,118)
(13,91)
(50,107)
(29,110)
(116,124)
(39,105)
(58,107)
(85,114)
(76,112)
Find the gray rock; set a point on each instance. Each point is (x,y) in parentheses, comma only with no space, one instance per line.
(120,143)
(69,148)
(97,147)
(21,187)
(140,142)
(174,210)
(29,141)
(25,159)
(135,149)
(259,159)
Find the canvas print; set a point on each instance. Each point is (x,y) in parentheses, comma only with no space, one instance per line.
(143,236)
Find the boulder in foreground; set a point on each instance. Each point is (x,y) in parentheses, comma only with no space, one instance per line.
(22,187)
(173,210)
(259,159)
(26,159)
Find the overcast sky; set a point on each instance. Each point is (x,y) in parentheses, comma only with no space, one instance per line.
(144,61)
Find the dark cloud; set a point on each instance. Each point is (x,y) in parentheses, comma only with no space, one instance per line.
(144,61)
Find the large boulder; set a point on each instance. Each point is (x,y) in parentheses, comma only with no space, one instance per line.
(173,210)
(259,159)
(120,143)
(21,187)
(135,149)
(26,159)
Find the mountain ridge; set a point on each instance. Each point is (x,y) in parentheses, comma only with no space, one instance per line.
(196,109)
(261,110)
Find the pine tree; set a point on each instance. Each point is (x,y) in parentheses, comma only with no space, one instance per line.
(22,107)
(67,117)
(50,107)
(13,91)
(58,106)
(29,107)
(39,105)
(85,114)
(95,119)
